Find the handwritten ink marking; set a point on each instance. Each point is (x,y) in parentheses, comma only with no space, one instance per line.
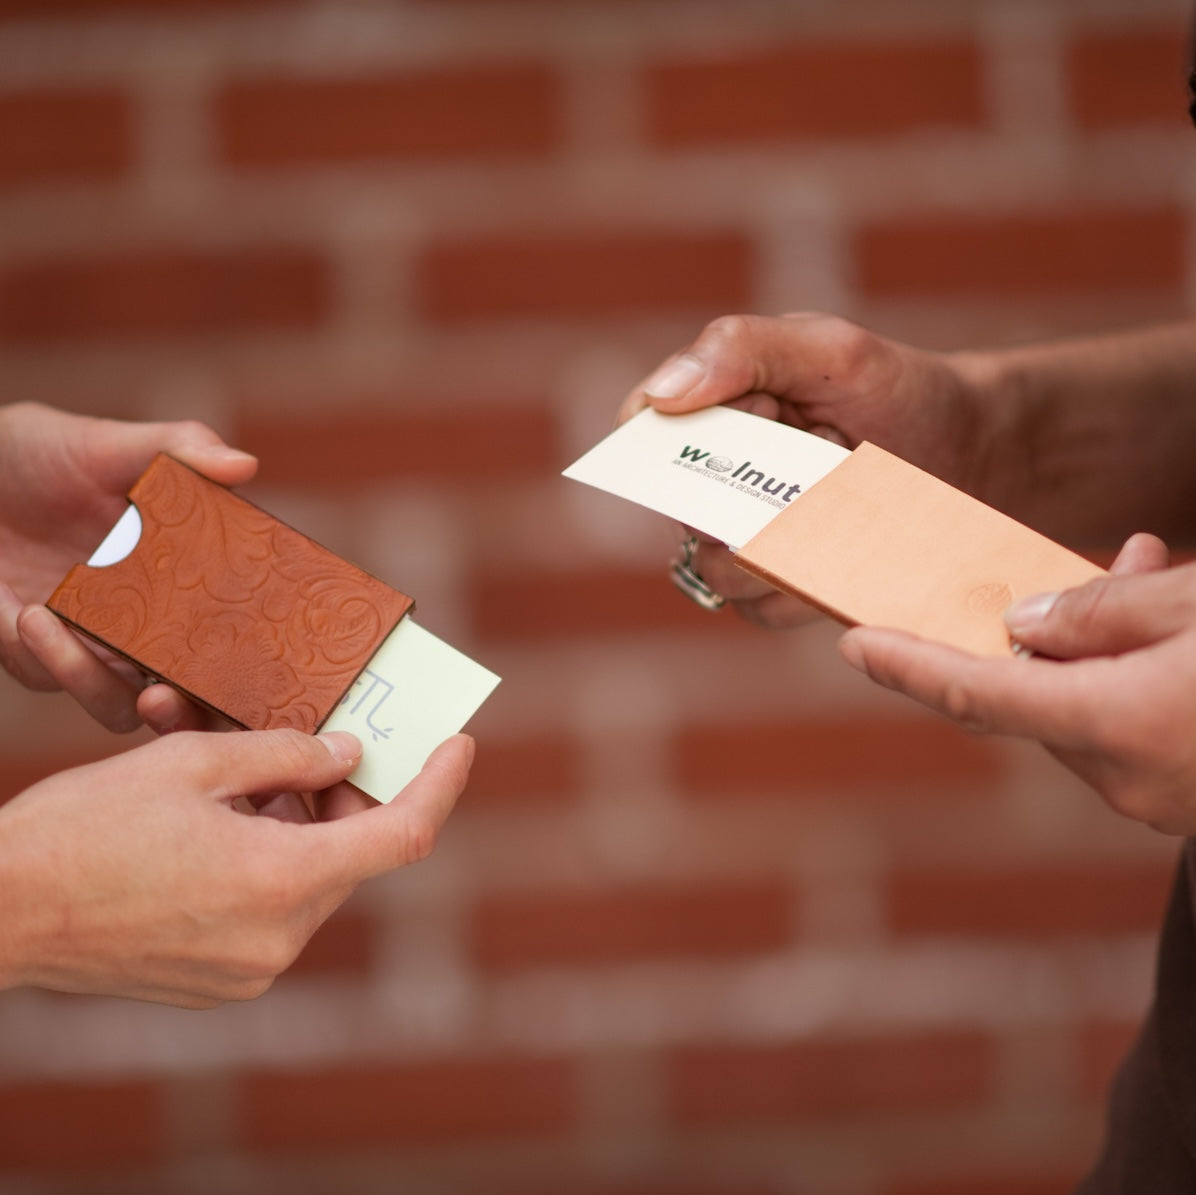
(375,681)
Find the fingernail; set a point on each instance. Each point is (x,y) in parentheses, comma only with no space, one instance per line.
(633,406)
(38,624)
(471,748)
(170,716)
(1030,611)
(342,746)
(675,379)
(850,651)
(225,453)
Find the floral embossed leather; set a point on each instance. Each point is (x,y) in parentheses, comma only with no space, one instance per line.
(234,608)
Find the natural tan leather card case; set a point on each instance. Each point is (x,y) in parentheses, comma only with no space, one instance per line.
(880,542)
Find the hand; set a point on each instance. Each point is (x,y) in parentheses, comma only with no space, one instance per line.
(63,480)
(831,377)
(1111,691)
(179,872)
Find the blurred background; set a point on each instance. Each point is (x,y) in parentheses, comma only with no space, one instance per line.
(715,917)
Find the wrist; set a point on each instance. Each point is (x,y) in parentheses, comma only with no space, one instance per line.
(995,393)
(26,905)
(1064,417)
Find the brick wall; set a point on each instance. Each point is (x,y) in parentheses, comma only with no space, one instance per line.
(715,916)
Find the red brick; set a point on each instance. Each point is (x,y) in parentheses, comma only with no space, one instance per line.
(820,1080)
(1023,254)
(346,944)
(665,1185)
(585,604)
(1004,1183)
(1128,76)
(586,274)
(1024,900)
(817,89)
(359,445)
(80,1126)
(344,1107)
(1103,1048)
(475,110)
(160,293)
(517,770)
(734,761)
(53,136)
(545,928)
(99,8)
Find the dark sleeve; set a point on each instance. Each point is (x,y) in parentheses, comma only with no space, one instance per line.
(1150,1142)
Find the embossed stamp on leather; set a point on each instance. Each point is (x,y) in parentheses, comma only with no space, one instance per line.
(231,606)
(880,542)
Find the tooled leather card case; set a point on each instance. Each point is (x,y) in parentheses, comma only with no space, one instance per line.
(231,606)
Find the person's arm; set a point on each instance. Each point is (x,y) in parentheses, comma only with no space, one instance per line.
(63,480)
(1070,435)
(1084,440)
(187,871)
(1095,436)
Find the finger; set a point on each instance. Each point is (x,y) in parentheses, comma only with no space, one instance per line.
(405,830)
(164,710)
(284,807)
(777,611)
(633,404)
(15,655)
(223,464)
(715,368)
(1106,617)
(342,800)
(738,355)
(74,667)
(122,451)
(756,402)
(1039,699)
(1141,553)
(754,600)
(715,564)
(254,762)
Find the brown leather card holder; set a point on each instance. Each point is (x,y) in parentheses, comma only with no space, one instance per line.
(231,606)
(880,542)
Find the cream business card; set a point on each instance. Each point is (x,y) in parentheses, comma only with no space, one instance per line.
(721,471)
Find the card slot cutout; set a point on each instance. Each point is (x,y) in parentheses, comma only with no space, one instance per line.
(120,542)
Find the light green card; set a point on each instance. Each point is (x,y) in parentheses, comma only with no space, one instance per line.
(415,692)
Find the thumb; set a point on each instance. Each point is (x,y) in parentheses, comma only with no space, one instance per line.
(791,356)
(403,831)
(1106,617)
(733,356)
(124,450)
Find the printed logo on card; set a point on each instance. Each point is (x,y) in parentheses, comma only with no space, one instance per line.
(745,477)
